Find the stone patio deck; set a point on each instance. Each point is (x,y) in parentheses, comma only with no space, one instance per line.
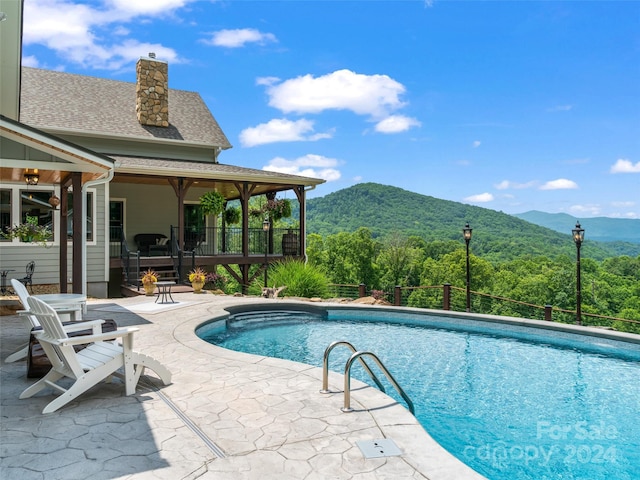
(226,415)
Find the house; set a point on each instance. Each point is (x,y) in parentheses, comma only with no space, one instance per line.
(141,154)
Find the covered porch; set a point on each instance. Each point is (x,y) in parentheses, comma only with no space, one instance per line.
(161,226)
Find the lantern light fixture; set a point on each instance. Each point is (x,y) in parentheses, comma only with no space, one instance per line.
(31,178)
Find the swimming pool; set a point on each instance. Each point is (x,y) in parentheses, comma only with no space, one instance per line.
(511,402)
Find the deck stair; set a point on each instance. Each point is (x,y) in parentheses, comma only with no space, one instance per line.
(165,274)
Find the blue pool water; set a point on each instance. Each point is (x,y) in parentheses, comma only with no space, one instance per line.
(511,402)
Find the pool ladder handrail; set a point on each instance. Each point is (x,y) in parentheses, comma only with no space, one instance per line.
(325,366)
(357,355)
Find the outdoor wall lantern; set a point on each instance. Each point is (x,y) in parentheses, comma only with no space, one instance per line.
(578,237)
(466,233)
(31,178)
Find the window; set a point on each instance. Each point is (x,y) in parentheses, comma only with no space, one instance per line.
(35,205)
(116,220)
(5,211)
(194,220)
(89,210)
(194,225)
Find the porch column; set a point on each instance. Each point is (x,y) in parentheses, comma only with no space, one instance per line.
(180,187)
(302,241)
(62,233)
(78,217)
(245,218)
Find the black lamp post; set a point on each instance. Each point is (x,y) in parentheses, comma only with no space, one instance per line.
(578,237)
(265,226)
(466,233)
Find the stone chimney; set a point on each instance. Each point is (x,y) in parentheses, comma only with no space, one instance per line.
(152,92)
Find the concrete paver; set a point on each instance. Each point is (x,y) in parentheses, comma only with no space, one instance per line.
(226,415)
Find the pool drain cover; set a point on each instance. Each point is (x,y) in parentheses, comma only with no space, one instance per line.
(379,448)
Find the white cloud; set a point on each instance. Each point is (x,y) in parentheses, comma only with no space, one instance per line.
(30,61)
(239,38)
(130,50)
(559,184)
(373,95)
(588,209)
(281,130)
(476,143)
(625,166)
(315,166)
(267,80)
(147,7)
(396,124)
(560,108)
(625,204)
(507,184)
(480,198)
(85,33)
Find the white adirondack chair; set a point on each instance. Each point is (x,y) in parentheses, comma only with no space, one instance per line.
(98,361)
(32,322)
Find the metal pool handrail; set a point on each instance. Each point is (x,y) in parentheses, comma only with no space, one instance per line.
(347,381)
(325,366)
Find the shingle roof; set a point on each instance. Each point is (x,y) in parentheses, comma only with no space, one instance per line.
(206,170)
(59,100)
(226,177)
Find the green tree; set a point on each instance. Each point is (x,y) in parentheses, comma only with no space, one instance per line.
(399,257)
(452,269)
(316,252)
(350,258)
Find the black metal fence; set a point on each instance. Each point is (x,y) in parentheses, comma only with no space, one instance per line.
(212,241)
(448,297)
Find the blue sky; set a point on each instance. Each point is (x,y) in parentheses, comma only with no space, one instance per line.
(513,106)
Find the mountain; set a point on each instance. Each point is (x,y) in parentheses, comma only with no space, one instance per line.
(601,229)
(386,210)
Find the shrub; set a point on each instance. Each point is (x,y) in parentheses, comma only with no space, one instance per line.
(301,280)
(215,281)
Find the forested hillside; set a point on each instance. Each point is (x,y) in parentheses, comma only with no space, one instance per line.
(601,229)
(496,236)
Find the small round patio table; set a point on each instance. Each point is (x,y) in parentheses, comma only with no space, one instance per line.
(57,300)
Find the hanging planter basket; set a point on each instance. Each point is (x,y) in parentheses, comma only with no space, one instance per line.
(232,216)
(212,203)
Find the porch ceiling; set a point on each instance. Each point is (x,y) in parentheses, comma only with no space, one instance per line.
(53,157)
(47,176)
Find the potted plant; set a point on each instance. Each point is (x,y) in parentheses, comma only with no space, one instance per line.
(212,203)
(278,208)
(149,279)
(197,277)
(232,216)
(275,208)
(29,231)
